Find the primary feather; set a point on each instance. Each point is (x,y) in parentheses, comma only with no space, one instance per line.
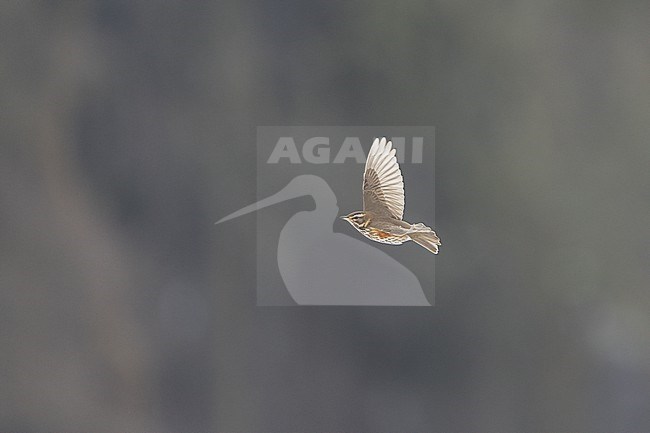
(383,185)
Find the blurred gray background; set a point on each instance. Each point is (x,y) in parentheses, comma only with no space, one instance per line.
(128,128)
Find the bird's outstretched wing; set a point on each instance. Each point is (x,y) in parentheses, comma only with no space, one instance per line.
(383,185)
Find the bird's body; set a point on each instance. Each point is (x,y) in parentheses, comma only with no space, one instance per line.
(383,203)
(384,230)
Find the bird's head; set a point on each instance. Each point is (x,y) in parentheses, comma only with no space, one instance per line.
(357,219)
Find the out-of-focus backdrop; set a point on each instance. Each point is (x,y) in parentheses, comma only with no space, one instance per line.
(128,128)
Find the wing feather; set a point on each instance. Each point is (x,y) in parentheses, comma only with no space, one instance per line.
(383,185)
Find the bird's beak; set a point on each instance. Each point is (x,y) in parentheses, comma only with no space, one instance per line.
(344,218)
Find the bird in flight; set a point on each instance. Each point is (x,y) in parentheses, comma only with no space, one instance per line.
(383,203)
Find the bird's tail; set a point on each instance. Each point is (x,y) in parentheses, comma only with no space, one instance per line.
(425,237)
